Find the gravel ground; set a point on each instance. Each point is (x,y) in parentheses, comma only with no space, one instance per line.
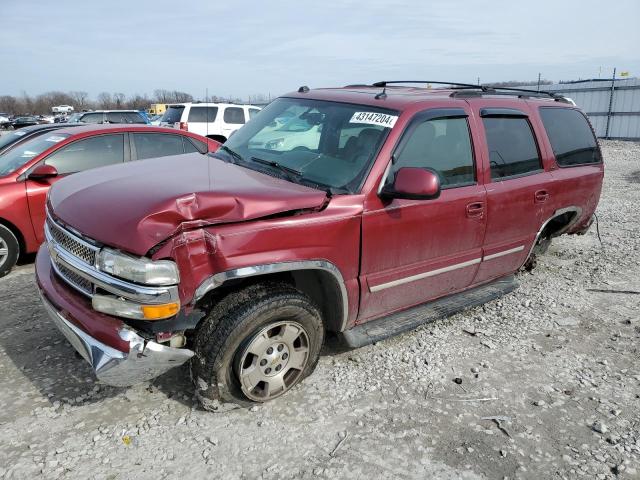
(549,387)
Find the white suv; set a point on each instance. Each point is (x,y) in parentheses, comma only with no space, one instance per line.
(214,120)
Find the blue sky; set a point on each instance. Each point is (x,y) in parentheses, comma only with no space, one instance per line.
(243,48)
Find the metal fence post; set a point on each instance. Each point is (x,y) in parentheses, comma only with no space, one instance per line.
(613,81)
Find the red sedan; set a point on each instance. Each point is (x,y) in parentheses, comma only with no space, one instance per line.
(28,171)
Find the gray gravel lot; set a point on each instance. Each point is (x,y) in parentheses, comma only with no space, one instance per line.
(550,387)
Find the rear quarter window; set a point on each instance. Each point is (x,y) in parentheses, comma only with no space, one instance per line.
(571,136)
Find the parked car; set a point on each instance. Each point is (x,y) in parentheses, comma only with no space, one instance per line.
(211,120)
(16,137)
(4,120)
(62,109)
(20,122)
(413,204)
(109,116)
(28,170)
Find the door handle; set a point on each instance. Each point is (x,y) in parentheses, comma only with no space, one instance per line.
(541,196)
(475,210)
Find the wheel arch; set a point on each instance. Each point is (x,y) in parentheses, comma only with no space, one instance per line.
(561,221)
(18,234)
(321,280)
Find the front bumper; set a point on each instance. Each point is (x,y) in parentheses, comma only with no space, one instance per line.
(134,360)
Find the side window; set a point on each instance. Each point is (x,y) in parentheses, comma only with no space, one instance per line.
(253,112)
(443,145)
(571,136)
(203,114)
(88,153)
(92,118)
(234,115)
(191,145)
(124,117)
(152,145)
(512,148)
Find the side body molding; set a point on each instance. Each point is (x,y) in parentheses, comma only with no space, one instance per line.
(216,280)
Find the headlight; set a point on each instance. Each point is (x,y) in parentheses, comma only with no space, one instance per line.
(138,270)
(274,144)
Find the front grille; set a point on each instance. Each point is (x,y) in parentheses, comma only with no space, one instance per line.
(75,280)
(72,245)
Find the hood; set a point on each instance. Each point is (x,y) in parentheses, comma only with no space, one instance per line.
(136,205)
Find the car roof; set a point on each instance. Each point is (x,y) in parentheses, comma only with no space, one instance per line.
(210,104)
(47,126)
(110,111)
(397,97)
(84,129)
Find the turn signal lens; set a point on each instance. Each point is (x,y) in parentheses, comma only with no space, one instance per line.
(158,312)
(120,307)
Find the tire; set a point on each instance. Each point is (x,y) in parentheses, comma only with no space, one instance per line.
(267,336)
(9,250)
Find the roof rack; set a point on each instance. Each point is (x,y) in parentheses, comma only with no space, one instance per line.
(478,90)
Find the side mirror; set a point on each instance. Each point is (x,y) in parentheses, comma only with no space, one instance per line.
(42,172)
(413,183)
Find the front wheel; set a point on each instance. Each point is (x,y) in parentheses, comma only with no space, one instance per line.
(9,250)
(255,345)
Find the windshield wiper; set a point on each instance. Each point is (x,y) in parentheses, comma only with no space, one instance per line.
(233,154)
(288,171)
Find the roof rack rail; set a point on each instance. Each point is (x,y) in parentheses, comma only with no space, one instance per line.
(384,83)
(476,90)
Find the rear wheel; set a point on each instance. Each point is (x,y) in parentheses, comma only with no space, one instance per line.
(255,345)
(9,250)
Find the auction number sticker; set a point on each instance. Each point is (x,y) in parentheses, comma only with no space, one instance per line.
(54,139)
(372,118)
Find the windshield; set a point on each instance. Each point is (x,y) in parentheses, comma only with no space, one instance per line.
(13,137)
(21,154)
(321,144)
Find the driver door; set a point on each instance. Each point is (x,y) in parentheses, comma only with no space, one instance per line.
(417,250)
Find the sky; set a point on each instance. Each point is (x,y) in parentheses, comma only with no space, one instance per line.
(241,48)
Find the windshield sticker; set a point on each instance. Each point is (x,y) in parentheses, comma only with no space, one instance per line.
(54,139)
(19,134)
(28,154)
(372,118)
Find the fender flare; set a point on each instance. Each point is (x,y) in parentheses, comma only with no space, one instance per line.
(218,279)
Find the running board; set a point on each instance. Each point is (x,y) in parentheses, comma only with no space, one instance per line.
(379,329)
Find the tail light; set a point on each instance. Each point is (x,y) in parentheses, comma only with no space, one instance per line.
(184,126)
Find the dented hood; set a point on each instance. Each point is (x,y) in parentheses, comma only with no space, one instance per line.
(136,205)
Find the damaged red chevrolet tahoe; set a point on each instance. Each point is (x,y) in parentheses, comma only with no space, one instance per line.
(361,212)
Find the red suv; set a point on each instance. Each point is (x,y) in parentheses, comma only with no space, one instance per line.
(362,211)
(29,168)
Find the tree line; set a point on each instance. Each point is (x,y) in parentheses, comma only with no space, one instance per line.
(41,104)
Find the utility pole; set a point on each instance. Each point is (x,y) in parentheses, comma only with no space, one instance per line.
(538,81)
(613,82)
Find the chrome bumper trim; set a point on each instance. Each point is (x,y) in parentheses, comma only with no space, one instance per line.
(144,361)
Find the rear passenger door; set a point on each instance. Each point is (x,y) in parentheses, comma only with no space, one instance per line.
(201,119)
(418,250)
(517,188)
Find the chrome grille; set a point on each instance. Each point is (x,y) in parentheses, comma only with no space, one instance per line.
(72,245)
(75,280)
